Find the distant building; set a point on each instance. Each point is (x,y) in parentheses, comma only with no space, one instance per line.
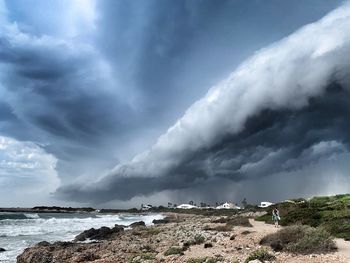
(186,206)
(145,207)
(228,206)
(265,204)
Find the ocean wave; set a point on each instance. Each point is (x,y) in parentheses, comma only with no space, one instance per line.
(12,216)
(32,216)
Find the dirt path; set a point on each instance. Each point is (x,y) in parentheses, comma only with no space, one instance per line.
(343,248)
(262,227)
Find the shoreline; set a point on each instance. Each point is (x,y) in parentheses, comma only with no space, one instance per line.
(181,238)
(23,230)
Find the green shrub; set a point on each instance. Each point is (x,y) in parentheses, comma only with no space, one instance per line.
(205,260)
(300,239)
(329,212)
(196,260)
(198,239)
(264,218)
(148,256)
(260,254)
(174,251)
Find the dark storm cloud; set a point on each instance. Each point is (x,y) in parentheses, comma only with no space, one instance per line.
(177,49)
(281,110)
(273,141)
(57,88)
(94,85)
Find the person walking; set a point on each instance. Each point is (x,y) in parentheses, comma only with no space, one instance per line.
(276,216)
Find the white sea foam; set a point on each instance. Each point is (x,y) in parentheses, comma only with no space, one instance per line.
(33,216)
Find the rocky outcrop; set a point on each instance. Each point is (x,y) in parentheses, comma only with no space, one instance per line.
(166,220)
(60,252)
(102,233)
(138,224)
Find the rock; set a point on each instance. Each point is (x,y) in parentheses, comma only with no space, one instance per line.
(35,256)
(118,228)
(99,234)
(255,261)
(161,221)
(63,244)
(185,246)
(138,224)
(43,244)
(208,245)
(2,249)
(166,220)
(232,237)
(88,256)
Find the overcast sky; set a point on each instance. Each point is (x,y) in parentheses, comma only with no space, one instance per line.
(116,103)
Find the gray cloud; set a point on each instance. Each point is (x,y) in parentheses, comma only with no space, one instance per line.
(96,83)
(281,110)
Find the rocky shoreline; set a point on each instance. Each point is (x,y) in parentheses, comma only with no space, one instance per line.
(178,238)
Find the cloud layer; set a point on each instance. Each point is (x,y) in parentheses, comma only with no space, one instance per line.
(26,169)
(94,83)
(282,109)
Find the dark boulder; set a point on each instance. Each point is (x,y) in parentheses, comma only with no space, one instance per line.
(208,245)
(165,220)
(161,221)
(138,224)
(118,228)
(2,249)
(43,244)
(99,234)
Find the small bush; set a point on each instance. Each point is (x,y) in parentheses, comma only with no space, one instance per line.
(300,239)
(174,251)
(260,254)
(196,260)
(198,239)
(205,260)
(148,256)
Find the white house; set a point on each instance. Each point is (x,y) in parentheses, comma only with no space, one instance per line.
(265,204)
(228,206)
(145,207)
(186,206)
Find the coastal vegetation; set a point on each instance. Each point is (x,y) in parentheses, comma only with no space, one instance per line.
(309,228)
(173,251)
(260,254)
(300,239)
(331,213)
(206,259)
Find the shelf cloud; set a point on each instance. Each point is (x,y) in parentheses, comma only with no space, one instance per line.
(283,109)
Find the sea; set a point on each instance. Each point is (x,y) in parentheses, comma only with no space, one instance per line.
(21,230)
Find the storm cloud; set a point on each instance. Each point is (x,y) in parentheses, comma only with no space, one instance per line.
(96,85)
(283,109)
